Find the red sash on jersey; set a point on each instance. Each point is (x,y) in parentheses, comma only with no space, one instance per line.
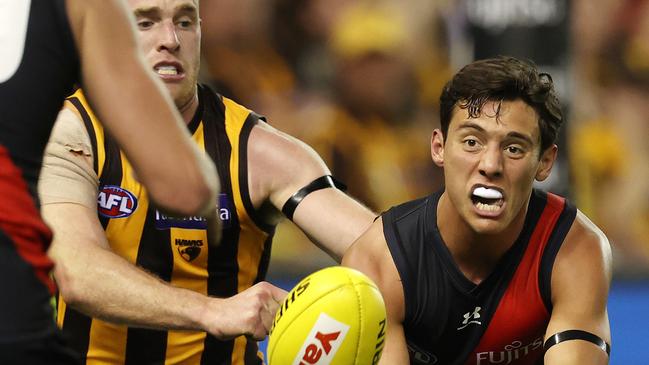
(516,330)
(20,220)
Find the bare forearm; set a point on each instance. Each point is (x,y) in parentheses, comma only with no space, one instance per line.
(337,228)
(98,282)
(95,280)
(279,166)
(101,284)
(395,350)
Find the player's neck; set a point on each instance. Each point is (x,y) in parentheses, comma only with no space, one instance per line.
(188,109)
(476,254)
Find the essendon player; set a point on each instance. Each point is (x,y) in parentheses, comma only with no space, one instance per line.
(47,47)
(491,270)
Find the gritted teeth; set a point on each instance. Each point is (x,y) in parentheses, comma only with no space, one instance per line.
(487,193)
(487,207)
(166,70)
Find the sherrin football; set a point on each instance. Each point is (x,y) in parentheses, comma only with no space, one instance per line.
(335,316)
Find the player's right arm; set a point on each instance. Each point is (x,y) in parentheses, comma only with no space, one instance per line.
(370,254)
(96,281)
(134,107)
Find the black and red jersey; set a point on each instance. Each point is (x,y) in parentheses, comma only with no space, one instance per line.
(451,320)
(38,68)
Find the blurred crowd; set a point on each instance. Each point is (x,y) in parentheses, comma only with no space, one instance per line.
(609,144)
(359,81)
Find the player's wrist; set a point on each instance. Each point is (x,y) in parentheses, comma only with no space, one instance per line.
(212,317)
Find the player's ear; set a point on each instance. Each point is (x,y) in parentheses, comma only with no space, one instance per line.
(437,147)
(546,162)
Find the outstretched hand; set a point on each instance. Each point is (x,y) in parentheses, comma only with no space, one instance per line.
(248,313)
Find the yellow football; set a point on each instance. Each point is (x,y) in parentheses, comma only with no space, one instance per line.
(335,316)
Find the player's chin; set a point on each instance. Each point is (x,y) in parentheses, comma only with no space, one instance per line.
(175,88)
(180,93)
(487,226)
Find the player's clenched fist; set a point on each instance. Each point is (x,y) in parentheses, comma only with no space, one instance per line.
(248,313)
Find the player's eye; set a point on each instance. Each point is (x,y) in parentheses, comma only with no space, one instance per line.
(185,23)
(144,24)
(471,144)
(514,151)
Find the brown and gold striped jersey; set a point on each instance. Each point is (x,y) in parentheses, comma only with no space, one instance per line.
(176,249)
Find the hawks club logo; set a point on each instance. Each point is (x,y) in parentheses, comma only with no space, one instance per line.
(115,202)
(189,249)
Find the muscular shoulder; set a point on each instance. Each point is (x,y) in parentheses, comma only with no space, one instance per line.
(584,263)
(370,255)
(369,251)
(585,245)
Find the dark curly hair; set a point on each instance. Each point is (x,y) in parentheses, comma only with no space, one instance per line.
(503,79)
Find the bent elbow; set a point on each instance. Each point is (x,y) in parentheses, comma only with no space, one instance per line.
(193,196)
(189,188)
(201,197)
(69,286)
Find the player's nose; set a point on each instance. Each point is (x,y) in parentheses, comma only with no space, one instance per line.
(491,162)
(168,37)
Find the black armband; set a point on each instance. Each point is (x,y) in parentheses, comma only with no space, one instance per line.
(322,182)
(576,335)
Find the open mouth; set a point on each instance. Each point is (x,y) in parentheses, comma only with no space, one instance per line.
(487,199)
(168,69)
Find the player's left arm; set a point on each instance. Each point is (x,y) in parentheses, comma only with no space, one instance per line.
(279,166)
(581,278)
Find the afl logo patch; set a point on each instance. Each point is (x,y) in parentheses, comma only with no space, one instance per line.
(115,202)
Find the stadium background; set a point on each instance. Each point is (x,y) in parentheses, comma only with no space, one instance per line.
(360,81)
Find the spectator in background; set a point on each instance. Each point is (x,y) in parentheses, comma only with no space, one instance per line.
(610,129)
(301,30)
(239,57)
(371,135)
